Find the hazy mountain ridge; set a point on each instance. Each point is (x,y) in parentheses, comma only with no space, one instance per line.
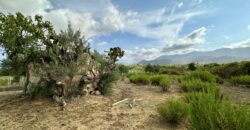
(223,55)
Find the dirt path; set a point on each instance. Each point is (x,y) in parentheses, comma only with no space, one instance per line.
(93,112)
(237,94)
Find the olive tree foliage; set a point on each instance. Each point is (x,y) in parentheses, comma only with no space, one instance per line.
(23,40)
(33,45)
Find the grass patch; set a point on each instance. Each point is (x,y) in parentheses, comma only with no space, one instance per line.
(3,82)
(204,76)
(241,80)
(140,78)
(165,84)
(156,79)
(174,111)
(197,85)
(209,113)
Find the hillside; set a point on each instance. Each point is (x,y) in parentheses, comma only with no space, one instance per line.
(224,55)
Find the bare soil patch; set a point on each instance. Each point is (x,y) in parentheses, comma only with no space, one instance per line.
(93,112)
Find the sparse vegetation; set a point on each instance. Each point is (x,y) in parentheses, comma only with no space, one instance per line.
(60,65)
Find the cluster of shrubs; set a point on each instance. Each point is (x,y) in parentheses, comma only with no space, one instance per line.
(204,107)
(230,69)
(161,80)
(170,70)
(241,80)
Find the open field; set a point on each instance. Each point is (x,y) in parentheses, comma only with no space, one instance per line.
(97,112)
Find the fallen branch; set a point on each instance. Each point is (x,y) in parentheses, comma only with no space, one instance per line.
(120,102)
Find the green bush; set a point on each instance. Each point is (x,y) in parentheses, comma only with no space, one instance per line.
(228,70)
(197,85)
(155,79)
(165,84)
(205,76)
(107,90)
(192,66)
(106,80)
(140,78)
(152,68)
(174,111)
(241,80)
(3,82)
(173,70)
(209,113)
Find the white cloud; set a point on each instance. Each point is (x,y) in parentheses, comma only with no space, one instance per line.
(138,54)
(29,7)
(196,37)
(248,27)
(198,1)
(180,5)
(102,17)
(92,21)
(241,44)
(103,43)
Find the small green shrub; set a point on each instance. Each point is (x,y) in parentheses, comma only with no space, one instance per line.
(209,113)
(192,66)
(155,79)
(3,82)
(241,80)
(165,84)
(106,80)
(205,76)
(140,78)
(152,68)
(174,111)
(107,90)
(197,85)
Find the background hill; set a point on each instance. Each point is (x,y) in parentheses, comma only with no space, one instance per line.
(223,55)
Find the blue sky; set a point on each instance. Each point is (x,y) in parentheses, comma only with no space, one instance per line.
(147,29)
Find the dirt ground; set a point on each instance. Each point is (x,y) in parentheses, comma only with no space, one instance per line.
(92,112)
(96,112)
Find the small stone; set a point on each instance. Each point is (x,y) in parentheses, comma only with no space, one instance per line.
(97,92)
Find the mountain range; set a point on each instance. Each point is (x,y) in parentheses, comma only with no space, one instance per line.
(223,55)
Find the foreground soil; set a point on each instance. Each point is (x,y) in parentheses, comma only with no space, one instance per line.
(92,112)
(96,112)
